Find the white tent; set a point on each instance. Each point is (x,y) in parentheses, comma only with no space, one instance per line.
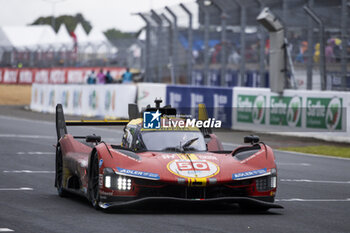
(96,36)
(27,36)
(82,37)
(62,36)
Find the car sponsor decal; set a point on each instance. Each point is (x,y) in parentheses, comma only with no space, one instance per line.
(143,174)
(205,157)
(106,193)
(100,163)
(241,175)
(100,180)
(193,168)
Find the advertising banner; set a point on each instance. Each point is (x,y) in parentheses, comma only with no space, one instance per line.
(25,76)
(76,76)
(214,77)
(54,75)
(231,78)
(306,112)
(197,78)
(148,92)
(324,113)
(187,98)
(251,109)
(41,75)
(285,111)
(86,100)
(10,76)
(57,76)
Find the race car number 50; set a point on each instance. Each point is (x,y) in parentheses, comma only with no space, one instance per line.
(193,169)
(187,166)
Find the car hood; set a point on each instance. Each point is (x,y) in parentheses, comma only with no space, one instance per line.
(189,167)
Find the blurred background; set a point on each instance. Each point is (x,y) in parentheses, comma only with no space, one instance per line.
(204,42)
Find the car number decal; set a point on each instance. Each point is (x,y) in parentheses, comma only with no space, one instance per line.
(193,169)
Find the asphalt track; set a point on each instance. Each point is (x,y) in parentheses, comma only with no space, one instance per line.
(315,192)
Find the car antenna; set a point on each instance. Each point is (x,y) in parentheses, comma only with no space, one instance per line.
(157,102)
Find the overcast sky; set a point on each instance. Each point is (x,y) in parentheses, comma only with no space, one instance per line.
(103,14)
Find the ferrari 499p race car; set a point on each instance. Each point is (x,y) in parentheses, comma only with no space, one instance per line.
(165,164)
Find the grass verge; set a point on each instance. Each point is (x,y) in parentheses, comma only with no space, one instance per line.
(337,151)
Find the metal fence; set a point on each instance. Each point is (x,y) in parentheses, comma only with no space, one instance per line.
(207,42)
(112,53)
(217,42)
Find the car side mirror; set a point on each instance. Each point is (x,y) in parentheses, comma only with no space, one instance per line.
(93,138)
(251,139)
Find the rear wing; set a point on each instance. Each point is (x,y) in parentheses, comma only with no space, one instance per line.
(61,123)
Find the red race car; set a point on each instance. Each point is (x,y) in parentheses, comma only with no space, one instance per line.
(163,161)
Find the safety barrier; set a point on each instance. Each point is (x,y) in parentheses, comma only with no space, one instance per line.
(299,113)
(85,100)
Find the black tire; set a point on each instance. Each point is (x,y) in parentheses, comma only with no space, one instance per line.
(94,194)
(59,174)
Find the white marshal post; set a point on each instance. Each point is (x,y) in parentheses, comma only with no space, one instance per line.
(277,60)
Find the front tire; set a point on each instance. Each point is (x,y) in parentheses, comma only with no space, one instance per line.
(94,188)
(59,174)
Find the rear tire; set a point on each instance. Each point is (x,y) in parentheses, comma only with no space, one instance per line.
(59,174)
(94,188)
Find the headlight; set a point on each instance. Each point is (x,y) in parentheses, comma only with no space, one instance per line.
(273,178)
(267,183)
(108,181)
(273,181)
(123,183)
(116,182)
(262,183)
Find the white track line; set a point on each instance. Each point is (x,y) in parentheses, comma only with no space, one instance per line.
(27,171)
(315,181)
(313,155)
(26,136)
(313,200)
(294,164)
(6,230)
(292,152)
(35,153)
(16,189)
(53,123)
(27,120)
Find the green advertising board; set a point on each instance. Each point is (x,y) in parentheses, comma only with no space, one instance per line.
(251,109)
(285,111)
(324,113)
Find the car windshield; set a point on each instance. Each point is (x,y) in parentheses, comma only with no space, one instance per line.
(174,141)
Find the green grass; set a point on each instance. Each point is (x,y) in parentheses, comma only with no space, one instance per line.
(321,150)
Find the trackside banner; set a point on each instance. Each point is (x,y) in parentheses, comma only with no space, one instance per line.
(301,112)
(217,100)
(148,92)
(85,100)
(320,114)
(53,75)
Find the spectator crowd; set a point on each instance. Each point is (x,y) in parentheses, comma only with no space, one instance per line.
(106,78)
